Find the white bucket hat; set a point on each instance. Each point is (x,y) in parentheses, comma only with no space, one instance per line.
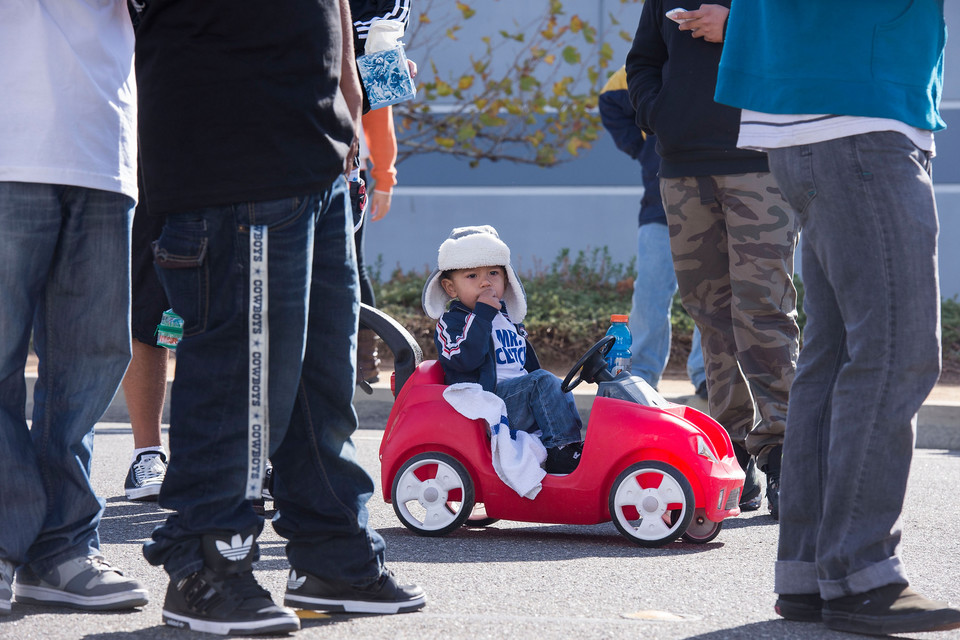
(469,247)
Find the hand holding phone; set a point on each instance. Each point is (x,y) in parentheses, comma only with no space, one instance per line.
(672,14)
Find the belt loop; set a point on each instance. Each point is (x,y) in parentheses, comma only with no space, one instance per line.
(708,194)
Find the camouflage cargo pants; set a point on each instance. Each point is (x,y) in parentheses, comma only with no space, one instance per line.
(733,239)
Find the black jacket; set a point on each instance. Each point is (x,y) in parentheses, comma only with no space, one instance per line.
(363,12)
(671,78)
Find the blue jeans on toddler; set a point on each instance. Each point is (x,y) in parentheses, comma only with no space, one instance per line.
(871,355)
(64,274)
(308,296)
(535,401)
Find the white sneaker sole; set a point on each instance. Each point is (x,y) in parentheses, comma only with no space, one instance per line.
(353,606)
(28,594)
(148,492)
(279,624)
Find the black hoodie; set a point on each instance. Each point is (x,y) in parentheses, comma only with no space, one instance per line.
(672,77)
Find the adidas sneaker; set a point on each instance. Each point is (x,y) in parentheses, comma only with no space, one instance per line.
(224,597)
(145,476)
(384,595)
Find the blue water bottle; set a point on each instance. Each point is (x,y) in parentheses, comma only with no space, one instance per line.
(618,360)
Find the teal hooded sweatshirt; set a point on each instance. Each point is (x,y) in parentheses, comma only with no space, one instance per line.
(876,58)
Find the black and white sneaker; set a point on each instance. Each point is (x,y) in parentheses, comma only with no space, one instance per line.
(385,595)
(145,476)
(224,597)
(563,460)
(267,492)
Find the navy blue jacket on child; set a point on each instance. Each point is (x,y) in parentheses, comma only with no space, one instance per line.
(466,348)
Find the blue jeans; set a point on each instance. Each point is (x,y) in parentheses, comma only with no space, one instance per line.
(298,369)
(653,292)
(534,401)
(871,355)
(64,273)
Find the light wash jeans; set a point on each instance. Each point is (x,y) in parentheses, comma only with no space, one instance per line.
(870,357)
(311,302)
(653,292)
(535,401)
(65,275)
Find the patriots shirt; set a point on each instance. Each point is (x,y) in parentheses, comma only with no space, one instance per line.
(510,349)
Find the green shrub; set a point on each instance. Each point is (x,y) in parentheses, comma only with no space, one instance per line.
(950,328)
(569,304)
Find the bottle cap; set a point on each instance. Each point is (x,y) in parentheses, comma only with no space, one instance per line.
(619,318)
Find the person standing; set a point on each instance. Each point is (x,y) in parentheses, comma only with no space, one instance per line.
(732,235)
(145,382)
(656,283)
(378,146)
(68,186)
(847,111)
(248,116)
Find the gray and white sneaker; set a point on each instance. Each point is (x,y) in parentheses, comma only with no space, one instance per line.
(6,584)
(86,582)
(145,476)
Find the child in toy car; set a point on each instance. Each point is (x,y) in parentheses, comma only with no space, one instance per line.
(480,339)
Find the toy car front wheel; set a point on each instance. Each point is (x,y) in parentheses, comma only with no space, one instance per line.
(651,503)
(432,494)
(702,530)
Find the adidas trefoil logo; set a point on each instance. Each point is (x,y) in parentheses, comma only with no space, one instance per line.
(294,582)
(235,550)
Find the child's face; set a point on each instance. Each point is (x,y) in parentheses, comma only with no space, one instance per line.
(478,284)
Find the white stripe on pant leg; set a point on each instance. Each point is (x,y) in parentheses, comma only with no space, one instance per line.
(258,416)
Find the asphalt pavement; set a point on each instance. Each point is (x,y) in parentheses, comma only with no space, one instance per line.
(526,580)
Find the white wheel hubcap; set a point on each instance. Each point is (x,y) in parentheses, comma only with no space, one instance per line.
(651,503)
(426,502)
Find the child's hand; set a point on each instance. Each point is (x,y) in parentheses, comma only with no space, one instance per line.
(489,297)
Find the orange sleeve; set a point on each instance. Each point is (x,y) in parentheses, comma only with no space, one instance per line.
(381,140)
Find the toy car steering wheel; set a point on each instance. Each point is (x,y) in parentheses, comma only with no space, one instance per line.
(589,365)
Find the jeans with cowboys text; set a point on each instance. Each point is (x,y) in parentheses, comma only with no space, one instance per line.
(307,294)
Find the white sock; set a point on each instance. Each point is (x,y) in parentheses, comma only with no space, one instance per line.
(137,452)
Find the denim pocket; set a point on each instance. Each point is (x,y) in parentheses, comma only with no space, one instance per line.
(180,255)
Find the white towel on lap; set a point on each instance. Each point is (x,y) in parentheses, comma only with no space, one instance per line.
(517,455)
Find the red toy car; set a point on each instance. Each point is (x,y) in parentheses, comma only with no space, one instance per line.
(658,470)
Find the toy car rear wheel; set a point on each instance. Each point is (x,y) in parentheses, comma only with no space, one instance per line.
(651,503)
(432,494)
(702,530)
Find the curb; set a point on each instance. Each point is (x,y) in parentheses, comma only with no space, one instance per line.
(938,422)
(938,425)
